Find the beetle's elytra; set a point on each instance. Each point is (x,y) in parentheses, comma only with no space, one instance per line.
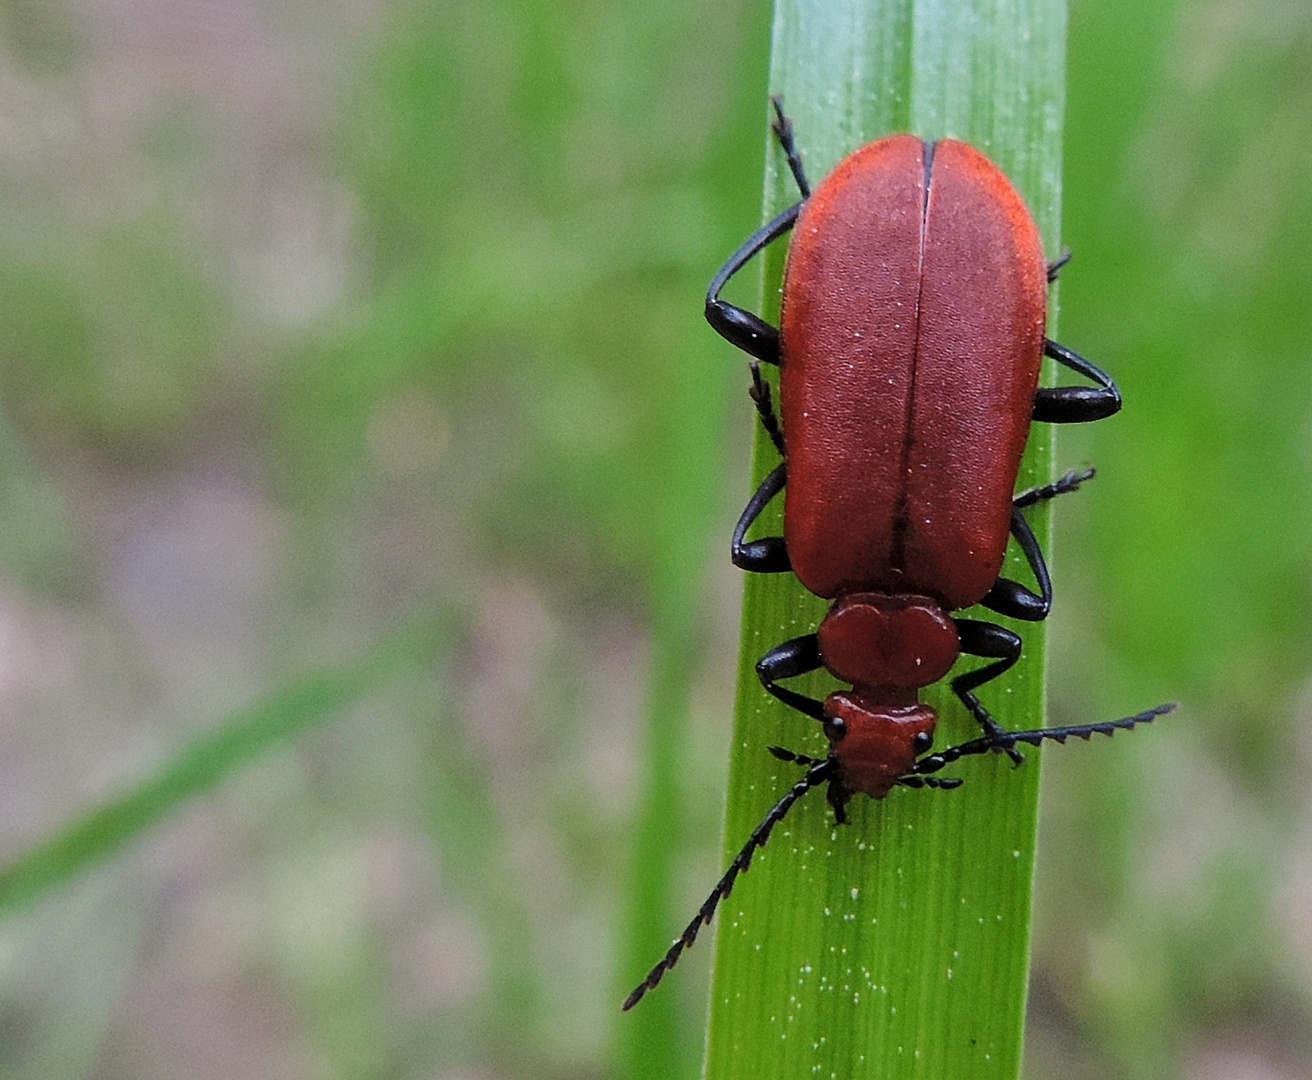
(912,333)
(926,370)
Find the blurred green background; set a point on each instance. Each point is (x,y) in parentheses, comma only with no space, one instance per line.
(355,389)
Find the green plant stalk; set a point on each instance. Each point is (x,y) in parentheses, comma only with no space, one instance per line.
(658,1042)
(898,946)
(200,766)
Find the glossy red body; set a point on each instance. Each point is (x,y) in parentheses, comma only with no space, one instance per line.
(912,332)
(909,346)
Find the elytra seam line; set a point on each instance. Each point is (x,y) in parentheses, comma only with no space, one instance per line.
(902,516)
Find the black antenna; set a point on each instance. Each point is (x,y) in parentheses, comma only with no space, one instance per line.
(817,774)
(1006,740)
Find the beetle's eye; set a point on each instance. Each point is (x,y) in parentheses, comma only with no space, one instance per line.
(922,742)
(835,728)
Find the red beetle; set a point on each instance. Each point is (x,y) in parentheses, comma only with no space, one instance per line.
(912,332)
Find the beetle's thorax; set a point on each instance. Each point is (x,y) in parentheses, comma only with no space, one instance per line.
(886,646)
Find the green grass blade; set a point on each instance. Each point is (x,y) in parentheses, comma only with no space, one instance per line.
(211,757)
(657,1042)
(899,946)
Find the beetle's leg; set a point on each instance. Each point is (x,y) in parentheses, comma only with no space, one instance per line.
(768,555)
(761,397)
(943,783)
(1054,267)
(1013,599)
(749,332)
(1009,597)
(795,657)
(783,128)
(1068,483)
(992,641)
(1076,404)
(838,796)
(794,758)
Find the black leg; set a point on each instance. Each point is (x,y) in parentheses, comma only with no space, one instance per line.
(1068,483)
(1076,404)
(794,758)
(759,392)
(838,794)
(783,128)
(1054,267)
(1009,597)
(795,657)
(838,797)
(749,332)
(943,783)
(770,554)
(988,640)
(1013,599)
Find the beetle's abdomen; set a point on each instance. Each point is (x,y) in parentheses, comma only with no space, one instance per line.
(913,325)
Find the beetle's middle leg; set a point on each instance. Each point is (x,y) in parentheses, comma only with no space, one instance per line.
(994,642)
(1011,598)
(769,555)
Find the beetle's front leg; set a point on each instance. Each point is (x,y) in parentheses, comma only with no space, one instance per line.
(795,657)
(992,641)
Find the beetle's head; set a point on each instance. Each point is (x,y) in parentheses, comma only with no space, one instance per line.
(875,744)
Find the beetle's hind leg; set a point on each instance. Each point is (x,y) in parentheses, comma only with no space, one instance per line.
(1071,481)
(739,327)
(1054,267)
(783,128)
(747,331)
(1076,404)
(993,642)
(763,399)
